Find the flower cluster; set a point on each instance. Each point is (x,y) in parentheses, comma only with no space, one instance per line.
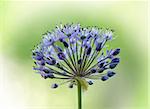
(73,53)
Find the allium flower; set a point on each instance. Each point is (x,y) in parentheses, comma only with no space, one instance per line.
(77,55)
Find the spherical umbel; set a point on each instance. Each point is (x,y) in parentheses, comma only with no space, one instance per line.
(76,54)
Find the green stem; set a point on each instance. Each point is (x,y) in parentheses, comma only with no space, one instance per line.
(79,96)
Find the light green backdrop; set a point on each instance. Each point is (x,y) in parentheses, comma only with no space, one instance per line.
(21,27)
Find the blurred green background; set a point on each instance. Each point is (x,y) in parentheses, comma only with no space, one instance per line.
(22,24)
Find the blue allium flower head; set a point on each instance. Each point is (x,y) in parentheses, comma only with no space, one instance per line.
(73,53)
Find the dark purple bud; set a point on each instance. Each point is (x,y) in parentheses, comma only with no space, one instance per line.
(115,52)
(35,63)
(33,54)
(79,61)
(93,70)
(61,56)
(98,46)
(58,65)
(101,64)
(61,40)
(110,73)
(51,61)
(59,49)
(88,50)
(115,60)
(50,76)
(90,82)
(70,85)
(83,37)
(48,62)
(113,65)
(88,37)
(104,78)
(101,70)
(45,77)
(38,57)
(65,44)
(54,86)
